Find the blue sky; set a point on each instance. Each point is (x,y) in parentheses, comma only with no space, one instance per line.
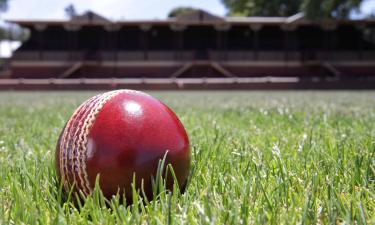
(121,9)
(114,9)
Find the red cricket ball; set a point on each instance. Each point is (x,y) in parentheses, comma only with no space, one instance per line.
(116,135)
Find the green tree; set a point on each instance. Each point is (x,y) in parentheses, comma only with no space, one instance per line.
(180,10)
(340,9)
(262,7)
(3,8)
(314,9)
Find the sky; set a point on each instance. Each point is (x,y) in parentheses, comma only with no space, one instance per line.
(122,9)
(113,9)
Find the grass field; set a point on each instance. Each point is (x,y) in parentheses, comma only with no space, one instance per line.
(258,157)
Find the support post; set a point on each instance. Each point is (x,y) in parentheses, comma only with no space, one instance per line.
(360,46)
(145,28)
(256,28)
(72,33)
(222,30)
(288,29)
(112,43)
(40,28)
(329,26)
(179,39)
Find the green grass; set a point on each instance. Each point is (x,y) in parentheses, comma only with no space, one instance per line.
(258,157)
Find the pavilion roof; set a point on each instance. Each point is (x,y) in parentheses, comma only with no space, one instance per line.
(197,17)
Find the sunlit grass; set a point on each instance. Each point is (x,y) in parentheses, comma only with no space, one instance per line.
(258,157)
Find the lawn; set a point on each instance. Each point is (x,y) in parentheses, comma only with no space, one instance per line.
(258,157)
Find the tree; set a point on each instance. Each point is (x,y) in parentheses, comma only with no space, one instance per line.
(70,11)
(3,5)
(3,8)
(314,9)
(180,10)
(339,9)
(262,7)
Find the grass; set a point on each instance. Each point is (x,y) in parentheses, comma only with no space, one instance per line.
(258,157)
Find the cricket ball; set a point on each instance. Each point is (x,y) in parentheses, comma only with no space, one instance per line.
(119,135)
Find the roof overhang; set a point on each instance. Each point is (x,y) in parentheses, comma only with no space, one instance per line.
(197,17)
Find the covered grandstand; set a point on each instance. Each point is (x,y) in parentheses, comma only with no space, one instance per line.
(193,51)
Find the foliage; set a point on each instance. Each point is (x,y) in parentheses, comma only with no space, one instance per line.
(180,10)
(258,158)
(14,33)
(3,33)
(3,5)
(70,11)
(262,7)
(330,9)
(314,9)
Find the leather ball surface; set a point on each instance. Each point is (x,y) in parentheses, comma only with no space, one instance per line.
(116,135)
